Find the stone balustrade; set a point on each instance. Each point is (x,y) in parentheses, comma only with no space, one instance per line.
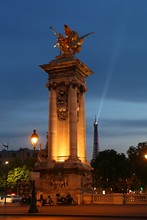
(115,198)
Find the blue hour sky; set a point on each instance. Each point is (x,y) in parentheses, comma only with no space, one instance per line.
(116,53)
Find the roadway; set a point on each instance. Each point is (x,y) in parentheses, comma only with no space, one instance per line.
(82,211)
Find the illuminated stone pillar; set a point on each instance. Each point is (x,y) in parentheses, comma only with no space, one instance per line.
(64,168)
(73,120)
(82,128)
(67,127)
(52,148)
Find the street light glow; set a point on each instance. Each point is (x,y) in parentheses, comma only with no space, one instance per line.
(34,138)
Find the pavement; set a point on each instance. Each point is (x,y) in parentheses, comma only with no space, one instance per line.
(131,211)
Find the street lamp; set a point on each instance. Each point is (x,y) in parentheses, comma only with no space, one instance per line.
(6,163)
(34,140)
(33,207)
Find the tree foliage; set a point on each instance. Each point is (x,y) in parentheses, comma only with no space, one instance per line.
(138,162)
(19,179)
(115,172)
(110,171)
(15,176)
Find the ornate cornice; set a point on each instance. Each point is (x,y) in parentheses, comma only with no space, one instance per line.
(67,64)
(74,83)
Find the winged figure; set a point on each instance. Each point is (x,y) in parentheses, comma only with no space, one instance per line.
(71,43)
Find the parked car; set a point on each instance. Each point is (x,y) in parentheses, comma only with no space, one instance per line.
(10,198)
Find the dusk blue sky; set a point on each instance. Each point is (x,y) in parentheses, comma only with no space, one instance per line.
(116,53)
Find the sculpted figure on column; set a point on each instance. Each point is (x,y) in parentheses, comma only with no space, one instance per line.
(71,43)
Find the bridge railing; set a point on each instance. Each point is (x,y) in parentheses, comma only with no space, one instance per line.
(136,199)
(115,198)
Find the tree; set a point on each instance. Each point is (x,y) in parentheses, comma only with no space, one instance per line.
(16,176)
(19,180)
(111,171)
(138,162)
(3,177)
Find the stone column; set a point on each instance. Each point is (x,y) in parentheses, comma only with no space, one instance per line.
(73,121)
(52,148)
(82,129)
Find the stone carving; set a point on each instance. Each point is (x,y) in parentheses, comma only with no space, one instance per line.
(86,180)
(43,153)
(71,43)
(62,103)
(42,156)
(58,181)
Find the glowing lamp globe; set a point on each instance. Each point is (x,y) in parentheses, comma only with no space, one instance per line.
(34,138)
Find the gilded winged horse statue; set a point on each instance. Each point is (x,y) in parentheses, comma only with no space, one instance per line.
(71,43)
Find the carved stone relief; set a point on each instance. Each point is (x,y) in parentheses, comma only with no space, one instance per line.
(86,180)
(62,102)
(56,181)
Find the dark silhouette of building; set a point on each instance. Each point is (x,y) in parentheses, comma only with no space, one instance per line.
(10,155)
(95,140)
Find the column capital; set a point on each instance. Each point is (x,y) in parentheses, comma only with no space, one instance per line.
(50,85)
(75,84)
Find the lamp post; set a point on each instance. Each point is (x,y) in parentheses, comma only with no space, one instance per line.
(33,207)
(6,163)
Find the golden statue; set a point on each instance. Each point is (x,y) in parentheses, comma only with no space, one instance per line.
(71,43)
